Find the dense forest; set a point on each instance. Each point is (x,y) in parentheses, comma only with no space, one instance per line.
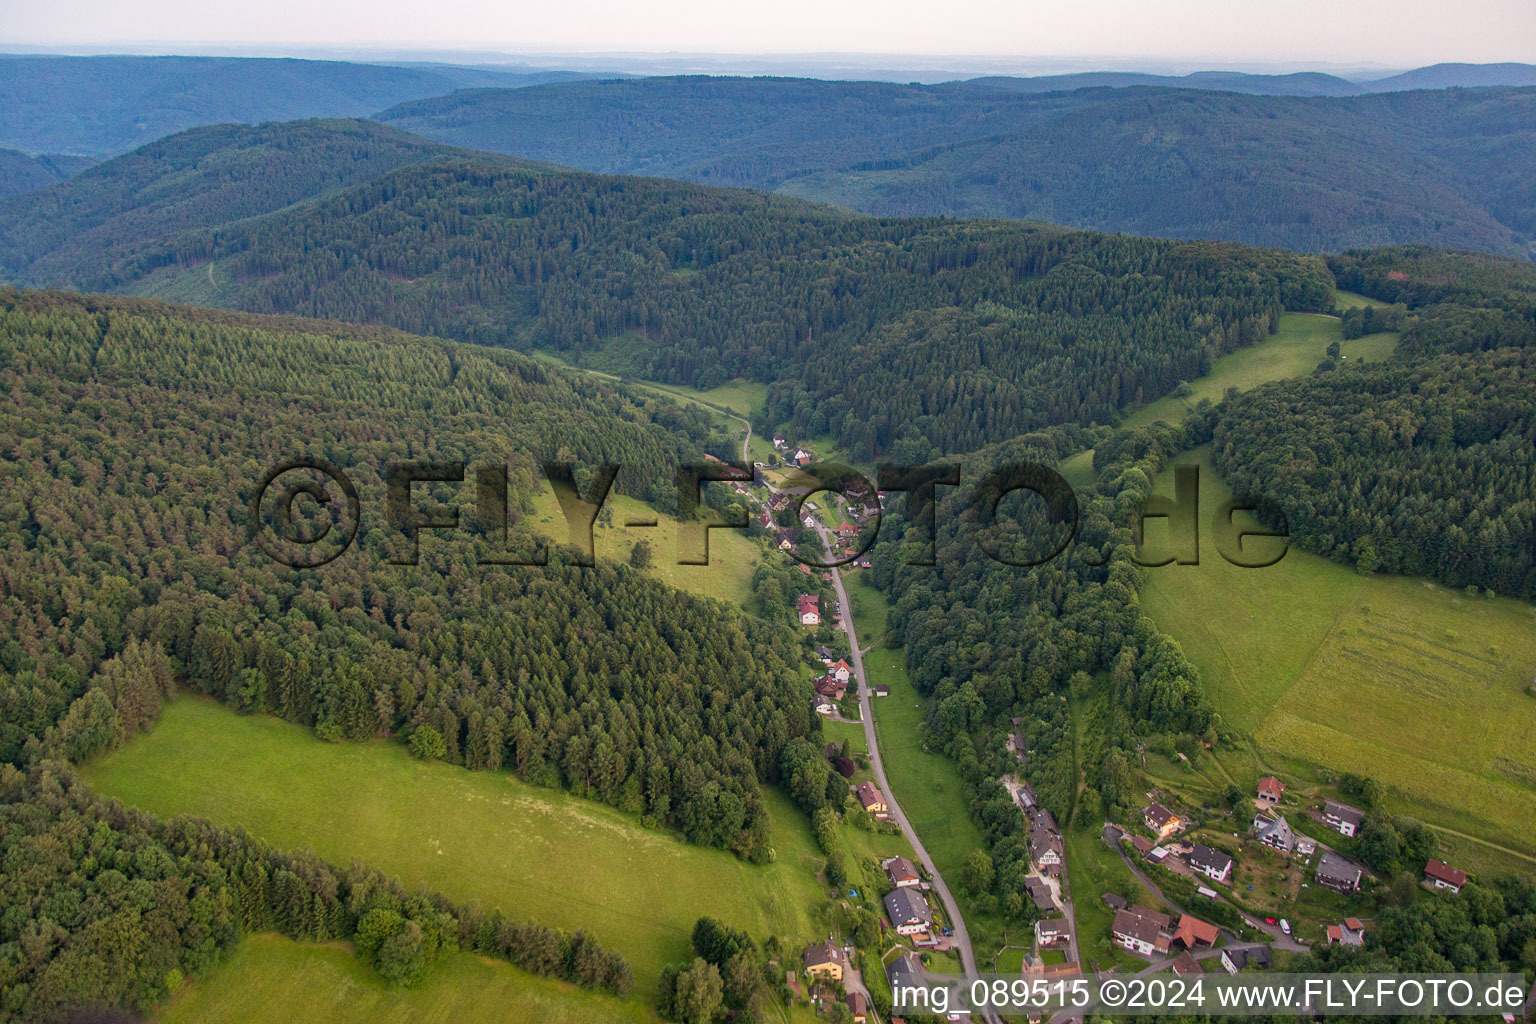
(136,434)
(953,334)
(1313,173)
(22,173)
(1421,465)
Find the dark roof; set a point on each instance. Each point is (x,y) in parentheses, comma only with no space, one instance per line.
(1331,865)
(1157,815)
(1052,926)
(1113,900)
(904,970)
(1040,892)
(898,868)
(1343,812)
(827,952)
(904,905)
(1203,856)
(1185,963)
(869,795)
(1140,923)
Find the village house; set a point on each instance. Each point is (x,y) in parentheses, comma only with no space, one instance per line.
(1275,833)
(1443,876)
(825,654)
(841,669)
(778,441)
(825,961)
(1211,863)
(1161,820)
(1185,964)
(1141,930)
(1271,790)
(1342,818)
(908,912)
(901,872)
(1193,932)
(830,688)
(1049,932)
(872,800)
(1024,796)
(906,971)
(858,1006)
(1045,850)
(1338,873)
(1234,960)
(1040,893)
(809,609)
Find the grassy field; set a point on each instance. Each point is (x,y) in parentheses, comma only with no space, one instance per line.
(732,557)
(273,980)
(1292,351)
(1396,678)
(927,785)
(482,836)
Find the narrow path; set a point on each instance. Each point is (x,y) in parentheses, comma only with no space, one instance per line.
(961,938)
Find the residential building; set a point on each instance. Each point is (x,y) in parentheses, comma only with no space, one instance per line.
(825,960)
(809,608)
(858,1005)
(841,669)
(1342,818)
(1234,960)
(1045,850)
(1350,932)
(1211,863)
(906,971)
(1271,790)
(1274,832)
(1443,876)
(1051,931)
(1185,963)
(1161,820)
(872,800)
(1338,873)
(1040,892)
(902,872)
(908,912)
(1141,930)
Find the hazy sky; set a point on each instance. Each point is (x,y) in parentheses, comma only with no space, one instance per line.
(1399,33)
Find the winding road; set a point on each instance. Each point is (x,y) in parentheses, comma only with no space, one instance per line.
(961,938)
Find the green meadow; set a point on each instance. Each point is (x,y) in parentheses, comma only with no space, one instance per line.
(1421,687)
(273,980)
(927,785)
(474,836)
(732,557)
(1300,343)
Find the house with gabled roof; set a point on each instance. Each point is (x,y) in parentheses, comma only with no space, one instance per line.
(1213,864)
(825,960)
(1338,873)
(872,800)
(808,607)
(1342,818)
(1161,820)
(1040,892)
(902,872)
(1443,876)
(1193,932)
(908,912)
(1270,791)
(1141,930)
(1275,833)
(1050,931)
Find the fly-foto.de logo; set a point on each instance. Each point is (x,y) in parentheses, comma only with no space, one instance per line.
(307,512)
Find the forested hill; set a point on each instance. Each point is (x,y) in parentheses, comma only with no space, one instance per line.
(1308,173)
(137,434)
(950,334)
(22,173)
(1422,465)
(201,178)
(103,105)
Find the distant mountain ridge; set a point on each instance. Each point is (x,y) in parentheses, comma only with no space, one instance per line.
(101,106)
(1311,173)
(22,173)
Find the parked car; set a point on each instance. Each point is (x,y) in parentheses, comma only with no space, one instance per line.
(1285,926)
